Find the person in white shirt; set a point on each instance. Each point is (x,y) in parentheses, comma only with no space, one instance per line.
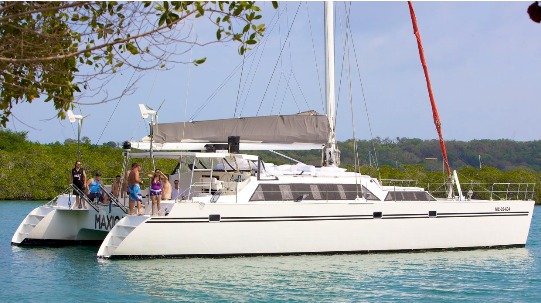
(176,191)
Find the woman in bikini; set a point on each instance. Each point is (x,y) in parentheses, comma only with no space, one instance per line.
(156,190)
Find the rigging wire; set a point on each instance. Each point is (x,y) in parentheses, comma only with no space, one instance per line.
(240,83)
(275,93)
(226,80)
(348,27)
(302,93)
(352,110)
(187,89)
(116,106)
(279,56)
(342,68)
(355,149)
(215,92)
(292,74)
(280,59)
(315,59)
(273,23)
(288,87)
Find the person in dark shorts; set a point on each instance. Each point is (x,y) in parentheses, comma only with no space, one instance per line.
(94,188)
(78,179)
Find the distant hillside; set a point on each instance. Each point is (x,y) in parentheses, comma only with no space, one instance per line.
(505,155)
(30,170)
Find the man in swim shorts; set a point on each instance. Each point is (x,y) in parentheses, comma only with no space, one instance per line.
(133,188)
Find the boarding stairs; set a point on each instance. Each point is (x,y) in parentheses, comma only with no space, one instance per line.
(120,231)
(38,214)
(29,223)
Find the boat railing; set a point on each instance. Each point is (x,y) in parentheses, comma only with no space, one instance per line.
(398,182)
(83,196)
(512,191)
(113,200)
(183,195)
(487,191)
(70,190)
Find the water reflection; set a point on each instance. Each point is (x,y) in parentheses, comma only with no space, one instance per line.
(416,276)
(73,274)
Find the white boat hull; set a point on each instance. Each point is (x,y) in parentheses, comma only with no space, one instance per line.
(58,225)
(303,228)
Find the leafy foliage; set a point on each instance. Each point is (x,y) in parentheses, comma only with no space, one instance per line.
(32,171)
(50,51)
(502,154)
(40,171)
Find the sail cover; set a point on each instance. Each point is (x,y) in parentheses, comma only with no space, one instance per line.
(283,129)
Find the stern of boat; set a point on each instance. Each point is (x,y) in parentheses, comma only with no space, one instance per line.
(58,224)
(115,237)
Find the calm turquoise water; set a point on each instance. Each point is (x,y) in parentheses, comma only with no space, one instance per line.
(73,274)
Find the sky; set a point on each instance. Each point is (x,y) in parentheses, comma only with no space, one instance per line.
(484,59)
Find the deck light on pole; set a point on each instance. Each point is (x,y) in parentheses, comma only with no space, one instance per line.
(145,113)
(79,118)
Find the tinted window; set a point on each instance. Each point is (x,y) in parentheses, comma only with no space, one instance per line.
(409,196)
(300,192)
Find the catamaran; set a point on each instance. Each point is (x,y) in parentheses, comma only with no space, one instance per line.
(233,203)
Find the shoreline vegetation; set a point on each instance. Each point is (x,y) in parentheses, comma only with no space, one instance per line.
(34,171)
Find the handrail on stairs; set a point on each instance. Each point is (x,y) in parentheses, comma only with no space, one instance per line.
(69,190)
(82,195)
(113,199)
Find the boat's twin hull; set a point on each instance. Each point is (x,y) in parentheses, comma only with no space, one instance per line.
(285,228)
(59,225)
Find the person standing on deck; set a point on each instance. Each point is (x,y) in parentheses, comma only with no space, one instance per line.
(133,188)
(115,191)
(155,190)
(78,179)
(125,191)
(176,191)
(166,193)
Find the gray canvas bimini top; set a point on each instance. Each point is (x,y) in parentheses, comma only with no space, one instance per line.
(299,128)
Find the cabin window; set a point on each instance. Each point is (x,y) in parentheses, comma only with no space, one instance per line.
(310,192)
(409,196)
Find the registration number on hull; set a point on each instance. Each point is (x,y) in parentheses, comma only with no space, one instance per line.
(502,208)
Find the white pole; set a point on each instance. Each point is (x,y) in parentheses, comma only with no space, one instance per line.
(330,157)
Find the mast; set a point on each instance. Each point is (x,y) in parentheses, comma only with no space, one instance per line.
(435,114)
(331,154)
